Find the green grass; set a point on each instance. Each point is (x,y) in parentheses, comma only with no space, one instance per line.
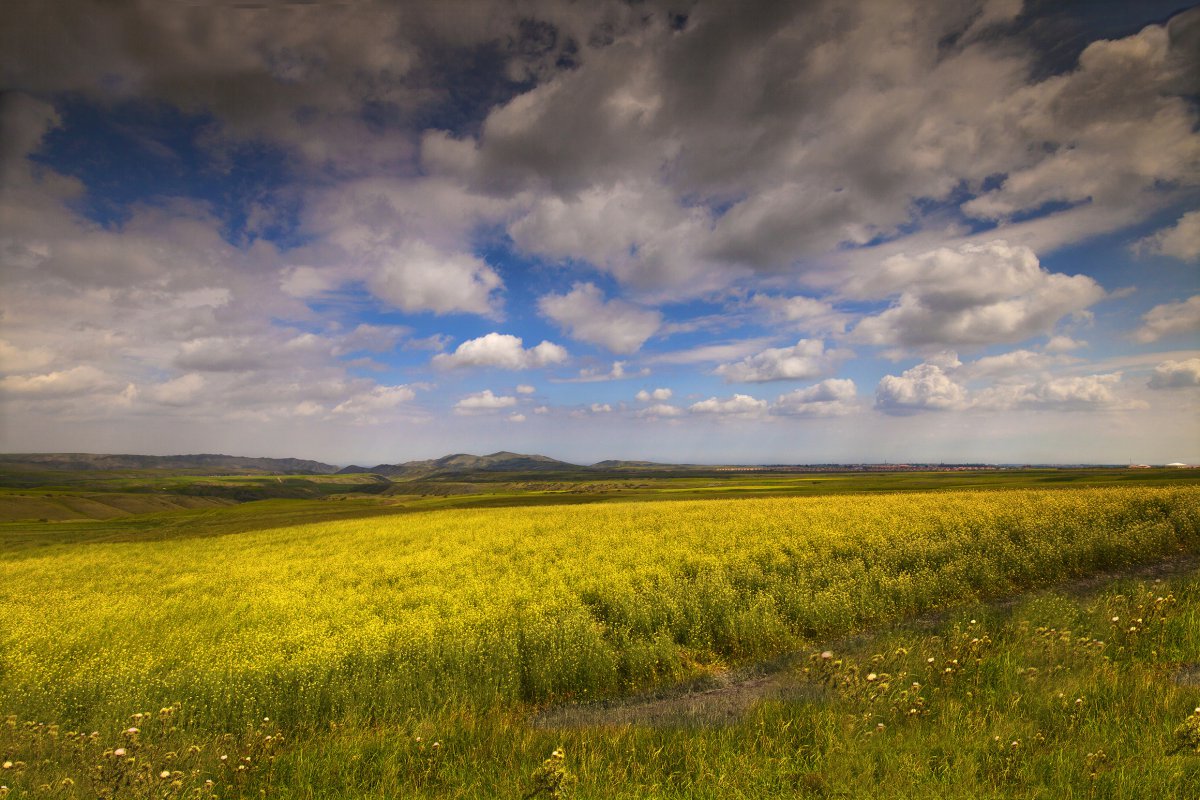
(38,509)
(1091,721)
(367,639)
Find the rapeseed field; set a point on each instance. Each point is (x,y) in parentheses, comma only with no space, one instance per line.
(324,656)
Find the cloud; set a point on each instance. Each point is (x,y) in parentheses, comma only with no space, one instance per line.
(659,411)
(1115,126)
(803,313)
(672,160)
(1070,393)
(619,326)
(975,295)
(1015,362)
(417,277)
(525,388)
(500,351)
(600,408)
(1176,374)
(806,359)
(1063,344)
(1017,380)
(222,354)
(638,231)
(925,387)
(829,398)
(303,281)
(1169,319)
(482,402)
(740,405)
(1182,240)
(78,380)
(616,372)
(20,359)
(516,417)
(375,400)
(657,394)
(180,391)
(708,353)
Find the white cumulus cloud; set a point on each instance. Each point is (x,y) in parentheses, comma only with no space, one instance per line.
(657,394)
(925,387)
(1181,240)
(740,405)
(501,351)
(660,411)
(418,277)
(585,315)
(1169,319)
(829,398)
(1069,393)
(1176,374)
(977,294)
(180,391)
(62,383)
(376,399)
(483,401)
(803,313)
(808,358)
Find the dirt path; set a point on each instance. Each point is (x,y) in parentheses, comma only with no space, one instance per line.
(725,698)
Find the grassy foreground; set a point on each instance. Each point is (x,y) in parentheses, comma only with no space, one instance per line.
(366,643)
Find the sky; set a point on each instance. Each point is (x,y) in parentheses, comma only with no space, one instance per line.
(818,231)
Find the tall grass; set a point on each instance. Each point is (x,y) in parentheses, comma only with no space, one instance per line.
(369,620)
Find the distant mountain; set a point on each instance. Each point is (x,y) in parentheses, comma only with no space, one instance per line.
(503,461)
(204,462)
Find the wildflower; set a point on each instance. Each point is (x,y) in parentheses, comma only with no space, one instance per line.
(166,773)
(872,676)
(1116,619)
(120,751)
(8,765)
(880,726)
(826,655)
(929,660)
(132,732)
